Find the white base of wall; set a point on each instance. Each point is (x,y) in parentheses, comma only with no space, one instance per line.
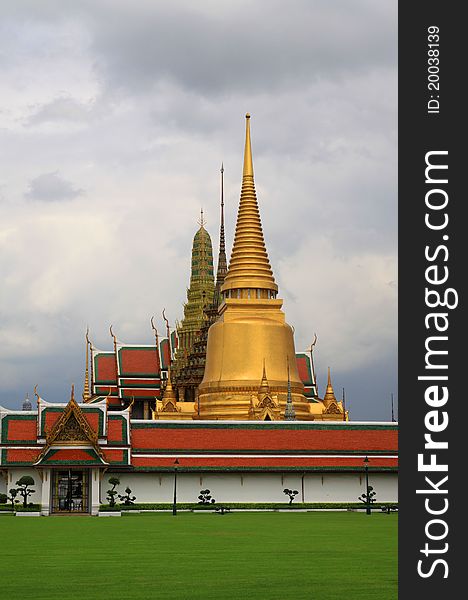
(28,514)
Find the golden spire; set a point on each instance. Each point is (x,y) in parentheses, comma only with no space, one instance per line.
(248,162)
(249,267)
(329,394)
(264,385)
(169,395)
(86,392)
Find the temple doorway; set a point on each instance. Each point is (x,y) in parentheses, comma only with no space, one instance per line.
(70,491)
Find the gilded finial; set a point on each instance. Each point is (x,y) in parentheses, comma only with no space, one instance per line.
(86,391)
(201,220)
(249,267)
(264,385)
(72,395)
(222,260)
(248,163)
(329,393)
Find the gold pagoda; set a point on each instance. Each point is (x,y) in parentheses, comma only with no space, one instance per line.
(234,351)
(250,357)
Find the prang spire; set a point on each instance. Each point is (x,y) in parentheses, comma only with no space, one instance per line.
(249,267)
(86,390)
(222,260)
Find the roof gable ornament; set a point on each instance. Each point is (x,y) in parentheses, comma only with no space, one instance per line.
(71,428)
(72,420)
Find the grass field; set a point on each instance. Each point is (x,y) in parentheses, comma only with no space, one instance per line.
(261,556)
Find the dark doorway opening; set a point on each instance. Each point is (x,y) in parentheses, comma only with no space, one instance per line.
(70,491)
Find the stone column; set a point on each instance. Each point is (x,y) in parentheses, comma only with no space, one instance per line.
(46,488)
(94,490)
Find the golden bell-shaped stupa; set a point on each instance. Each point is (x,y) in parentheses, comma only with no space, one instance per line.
(250,340)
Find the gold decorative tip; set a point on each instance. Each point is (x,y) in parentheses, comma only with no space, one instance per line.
(86,389)
(249,267)
(329,393)
(248,163)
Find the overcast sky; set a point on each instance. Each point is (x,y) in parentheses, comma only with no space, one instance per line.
(115,116)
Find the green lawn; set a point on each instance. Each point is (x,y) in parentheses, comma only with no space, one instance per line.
(261,556)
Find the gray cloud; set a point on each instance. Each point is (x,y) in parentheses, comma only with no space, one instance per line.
(58,110)
(253,46)
(51,187)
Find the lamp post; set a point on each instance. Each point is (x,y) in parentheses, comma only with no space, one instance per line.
(174,505)
(366,469)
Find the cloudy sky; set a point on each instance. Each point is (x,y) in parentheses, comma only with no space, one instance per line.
(115,116)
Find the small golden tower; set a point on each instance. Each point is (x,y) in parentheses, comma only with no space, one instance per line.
(86,389)
(329,397)
(250,336)
(334,408)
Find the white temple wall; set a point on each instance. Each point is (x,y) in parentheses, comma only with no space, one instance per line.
(225,487)
(254,487)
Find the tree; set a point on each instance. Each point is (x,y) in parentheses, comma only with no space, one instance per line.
(23,490)
(12,498)
(112,493)
(291,494)
(127,500)
(222,510)
(205,497)
(368,498)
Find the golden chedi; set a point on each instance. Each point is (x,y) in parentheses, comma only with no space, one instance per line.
(250,345)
